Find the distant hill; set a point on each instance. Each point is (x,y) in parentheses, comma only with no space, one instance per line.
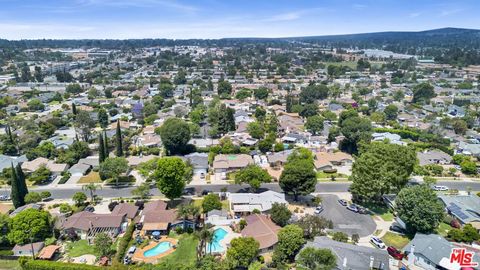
(437,38)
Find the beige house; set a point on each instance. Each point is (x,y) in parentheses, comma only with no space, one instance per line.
(328,160)
(227,163)
(31,166)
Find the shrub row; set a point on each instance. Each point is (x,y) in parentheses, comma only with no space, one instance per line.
(123,243)
(49,265)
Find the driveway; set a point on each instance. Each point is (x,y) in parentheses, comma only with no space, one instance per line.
(345,220)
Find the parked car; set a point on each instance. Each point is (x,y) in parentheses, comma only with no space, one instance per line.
(342,202)
(353,207)
(4,198)
(362,210)
(440,188)
(89,208)
(396,228)
(318,210)
(205,192)
(132,249)
(189,191)
(377,242)
(395,253)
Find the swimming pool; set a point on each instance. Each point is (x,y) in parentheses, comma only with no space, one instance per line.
(215,246)
(158,249)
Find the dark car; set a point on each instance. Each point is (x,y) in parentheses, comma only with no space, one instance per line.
(205,192)
(362,210)
(396,228)
(395,253)
(89,208)
(189,191)
(342,202)
(353,207)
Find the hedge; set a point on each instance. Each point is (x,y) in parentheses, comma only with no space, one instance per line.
(124,241)
(49,265)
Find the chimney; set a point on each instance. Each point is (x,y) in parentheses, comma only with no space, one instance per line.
(411,255)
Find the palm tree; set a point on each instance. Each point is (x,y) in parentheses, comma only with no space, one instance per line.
(186,210)
(206,236)
(92,187)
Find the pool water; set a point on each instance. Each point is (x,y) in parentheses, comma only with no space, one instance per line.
(215,246)
(158,249)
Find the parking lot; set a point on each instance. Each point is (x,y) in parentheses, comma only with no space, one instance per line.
(345,220)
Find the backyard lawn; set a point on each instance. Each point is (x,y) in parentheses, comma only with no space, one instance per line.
(185,252)
(396,240)
(92,177)
(79,248)
(443,229)
(10,264)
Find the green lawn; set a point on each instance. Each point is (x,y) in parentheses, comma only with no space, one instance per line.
(396,240)
(186,250)
(443,229)
(92,177)
(328,176)
(226,205)
(10,264)
(79,248)
(380,210)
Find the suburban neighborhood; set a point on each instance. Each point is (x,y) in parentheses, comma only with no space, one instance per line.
(240,154)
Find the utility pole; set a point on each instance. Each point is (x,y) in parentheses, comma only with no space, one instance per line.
(31,243)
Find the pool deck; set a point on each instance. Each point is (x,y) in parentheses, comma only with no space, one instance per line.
(225,242)
(139,257)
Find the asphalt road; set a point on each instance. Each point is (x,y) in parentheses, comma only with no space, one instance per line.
(113,192)
(345,220)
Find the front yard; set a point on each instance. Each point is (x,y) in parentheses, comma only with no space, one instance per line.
(396,240)
(443,229)
(92,177)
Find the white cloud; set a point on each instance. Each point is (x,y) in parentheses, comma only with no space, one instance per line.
(449,12)
(414,14)
(172,4)
(290,16)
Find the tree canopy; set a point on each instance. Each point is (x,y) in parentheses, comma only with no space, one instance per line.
(30,223)
(175,134)
(171,176)
(242,252)
(419,207)
(290,241)
(253,175)
(380,169)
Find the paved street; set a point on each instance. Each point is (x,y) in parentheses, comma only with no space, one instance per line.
(328,187)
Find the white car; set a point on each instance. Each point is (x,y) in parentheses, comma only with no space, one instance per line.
(377,242)
(440,188)
(318,210)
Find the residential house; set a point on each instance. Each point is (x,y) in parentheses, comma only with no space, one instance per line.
(289,122)
(433,157)
(351,256)
(149,140)
(469,149)
(391,137)
(431,251)
(199,161)
(35,206)
(242,203)
(87,225)
(26,250)
(227,163)
(295,138)
(129,210)
(56,169)
(155,217)
(263,230)
(134,161)
(329,160)
(220,218)
(279,158)
(79,169)
(48,252)
(465,208)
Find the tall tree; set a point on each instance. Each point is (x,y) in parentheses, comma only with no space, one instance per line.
(119,143)
(74,109)
(113,168)
(253,175)
(171,176)
(101,148)
(298,177)
(290,241)
(103,118)
(22,181)
(380,169)
(313,258)
(175,134)
(419,208)
(242,252)
(16,194)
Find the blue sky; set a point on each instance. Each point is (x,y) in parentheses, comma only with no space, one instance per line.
(29,19)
